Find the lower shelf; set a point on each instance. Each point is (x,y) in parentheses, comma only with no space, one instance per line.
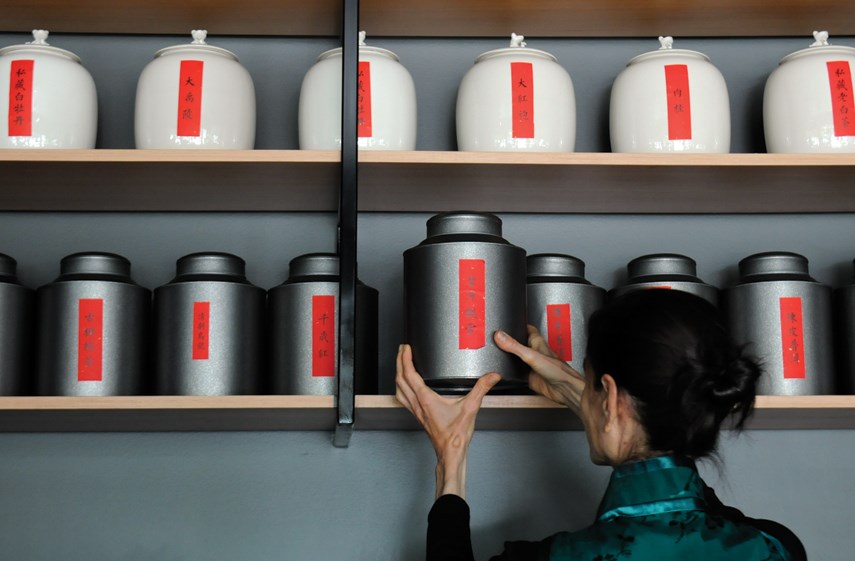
(310,413)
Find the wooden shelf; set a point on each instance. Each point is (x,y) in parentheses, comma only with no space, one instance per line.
(439,18)
(423,181)
(309,413)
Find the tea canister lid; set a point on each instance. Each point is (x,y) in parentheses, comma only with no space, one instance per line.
(314,264)
(820,45)
(464,222)
(786,263)
(363,48)
(516,48)
(662,264)
(198,45)
(211,264)
(8,268)
(39,45)
(666,48)
(95,263)
(554,265)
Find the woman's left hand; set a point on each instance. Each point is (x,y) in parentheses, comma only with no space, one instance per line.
(448,421)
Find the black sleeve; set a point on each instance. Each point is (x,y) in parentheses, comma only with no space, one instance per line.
(448,537)
(778,531)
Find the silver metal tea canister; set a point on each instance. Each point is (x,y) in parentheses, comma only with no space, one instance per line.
(93,322)
(304,330)
(461,284)
(845,337)
(667,271)
(560,301)
(785,317)
(16,330)
(209,322)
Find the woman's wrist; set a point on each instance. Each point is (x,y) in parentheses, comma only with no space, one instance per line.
(451,477)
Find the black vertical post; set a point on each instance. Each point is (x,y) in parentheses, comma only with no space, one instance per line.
(347,224)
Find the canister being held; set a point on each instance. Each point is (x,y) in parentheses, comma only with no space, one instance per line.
(386,102)
(560,302)
(461,284)
(844,306)
(670,100)
(93,323)
(784,316)
(669,271)
(16,330)
(209,323)
(808,102)
(195,96)
(50,97)
(516,99)
(304,336)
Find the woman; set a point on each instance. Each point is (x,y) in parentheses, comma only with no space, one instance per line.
(661,374)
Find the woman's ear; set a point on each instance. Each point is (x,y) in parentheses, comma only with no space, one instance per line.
(610,402)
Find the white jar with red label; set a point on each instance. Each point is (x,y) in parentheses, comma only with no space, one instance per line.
(670,100)
(809,103)
(516,99)
(386,102)
(195,96)
(49,98)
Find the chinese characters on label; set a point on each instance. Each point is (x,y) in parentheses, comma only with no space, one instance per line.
(792,339)
(559,330)
(842,103)
(90,335)
(190,98)
(363,100)
(679,102)
(201,330)
(522,101)
(323,335)
(21,98)
(472,304)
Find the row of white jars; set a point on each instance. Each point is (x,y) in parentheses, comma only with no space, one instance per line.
(513,99)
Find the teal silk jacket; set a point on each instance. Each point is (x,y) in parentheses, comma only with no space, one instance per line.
(656,510)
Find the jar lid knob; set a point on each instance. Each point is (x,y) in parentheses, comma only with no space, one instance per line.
(517,40)
(820,39)
(199,36)
(362,36)
(39,37)
(666,43)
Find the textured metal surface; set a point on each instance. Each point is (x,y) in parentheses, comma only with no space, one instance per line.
(126,313)
(233,328)
(668,271)
(291,348)
(754,314)
(16,331)
(845,340)
(431,292)
(559,279)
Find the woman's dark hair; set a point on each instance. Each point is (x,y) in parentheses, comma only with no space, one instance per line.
(672,353)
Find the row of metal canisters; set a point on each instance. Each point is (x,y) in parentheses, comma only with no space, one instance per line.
(465,281)
(211,331)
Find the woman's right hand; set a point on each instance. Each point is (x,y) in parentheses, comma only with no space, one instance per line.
(550,376)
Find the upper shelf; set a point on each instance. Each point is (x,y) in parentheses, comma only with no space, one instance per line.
(303,180)
(437,18)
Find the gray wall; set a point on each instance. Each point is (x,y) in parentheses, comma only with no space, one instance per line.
(291,495)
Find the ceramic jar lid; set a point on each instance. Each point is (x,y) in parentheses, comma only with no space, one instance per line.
(516,48)
(667,49)
(820,46)
(363,49)
(197,46)
(39,45)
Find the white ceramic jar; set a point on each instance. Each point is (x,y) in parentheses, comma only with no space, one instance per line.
(670,100)
(809,103)
(386,98)
(516,99)
(50,99)
(195,96)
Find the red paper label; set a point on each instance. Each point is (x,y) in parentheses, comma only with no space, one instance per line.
(323,335)
(559,330)
(658,287)
(90,337)
(522,102)
(679,102)
(842,102)
(21,98)
(190,98)
(792,338)
(363,99)
(472,302)
(201,330)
